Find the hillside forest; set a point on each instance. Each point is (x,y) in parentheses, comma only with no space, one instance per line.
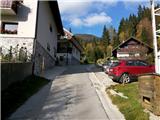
(136,25)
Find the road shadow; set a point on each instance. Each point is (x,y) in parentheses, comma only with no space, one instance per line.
(75,69)
(60,98)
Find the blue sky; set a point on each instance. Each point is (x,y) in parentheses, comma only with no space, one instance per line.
(90,16)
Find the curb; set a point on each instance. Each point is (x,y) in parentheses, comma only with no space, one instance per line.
(111,110)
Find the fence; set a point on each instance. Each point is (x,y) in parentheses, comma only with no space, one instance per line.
(12,72)
(15,54)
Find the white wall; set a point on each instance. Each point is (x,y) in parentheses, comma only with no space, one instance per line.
(26,18)
(44,36)
(122,55)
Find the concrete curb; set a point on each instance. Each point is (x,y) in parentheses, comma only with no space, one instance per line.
(111,110)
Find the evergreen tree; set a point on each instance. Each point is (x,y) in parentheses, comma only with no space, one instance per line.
(70,30)
(144,35)
(106,37)
(140,12)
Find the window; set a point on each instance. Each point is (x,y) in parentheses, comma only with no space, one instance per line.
(114,64)
(141,63)
(130,63)
(9,28)
(50,28)
(48,47)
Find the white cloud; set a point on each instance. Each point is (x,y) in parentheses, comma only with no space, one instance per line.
(91,20)
(76,22)
(85,12)
(81,7)
(95,19)
(73,8)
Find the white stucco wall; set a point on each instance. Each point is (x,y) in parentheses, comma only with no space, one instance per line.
(26,18)
(44,36)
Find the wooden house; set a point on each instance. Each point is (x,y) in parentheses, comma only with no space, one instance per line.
(132,49)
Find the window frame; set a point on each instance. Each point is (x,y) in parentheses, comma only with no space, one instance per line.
(5,31)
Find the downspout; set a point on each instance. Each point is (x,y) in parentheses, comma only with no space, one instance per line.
(154,36)
(35,39)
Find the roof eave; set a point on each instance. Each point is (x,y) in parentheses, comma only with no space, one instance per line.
(56,13)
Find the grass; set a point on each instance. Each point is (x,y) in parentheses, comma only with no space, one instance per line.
(17,93)
(131,107)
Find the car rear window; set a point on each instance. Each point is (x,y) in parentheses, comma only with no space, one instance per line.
(131,63)
(114,64)
(141,63)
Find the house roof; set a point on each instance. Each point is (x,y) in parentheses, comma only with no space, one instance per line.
(70,36)
(55,10)
(67,33)
(131,38)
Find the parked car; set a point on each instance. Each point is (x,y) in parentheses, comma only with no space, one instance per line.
(108,64)
(127,70)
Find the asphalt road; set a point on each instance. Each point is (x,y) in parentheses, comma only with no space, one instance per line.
(70,96)
(73,97)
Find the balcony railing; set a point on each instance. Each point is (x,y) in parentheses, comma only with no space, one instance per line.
(9,7)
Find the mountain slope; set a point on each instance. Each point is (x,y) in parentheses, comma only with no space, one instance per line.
(86,37)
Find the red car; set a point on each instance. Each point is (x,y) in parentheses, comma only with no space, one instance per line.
(125,70)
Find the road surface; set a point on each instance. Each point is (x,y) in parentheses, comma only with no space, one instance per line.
(71,96)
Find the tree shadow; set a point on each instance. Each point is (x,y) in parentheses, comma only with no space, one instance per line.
(75,69)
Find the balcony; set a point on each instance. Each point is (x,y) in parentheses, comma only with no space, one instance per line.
(9,7)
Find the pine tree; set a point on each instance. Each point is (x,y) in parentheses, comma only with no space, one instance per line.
(140,12)
(144,35)
(70,30)
(106,37)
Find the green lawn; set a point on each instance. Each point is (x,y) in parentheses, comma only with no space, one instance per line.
(131,107)
(16,94)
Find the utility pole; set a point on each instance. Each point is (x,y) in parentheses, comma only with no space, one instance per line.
(157,58)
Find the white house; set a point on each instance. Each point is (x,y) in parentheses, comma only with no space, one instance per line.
(69,49)
(34,25)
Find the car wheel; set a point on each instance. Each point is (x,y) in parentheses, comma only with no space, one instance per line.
(125,78)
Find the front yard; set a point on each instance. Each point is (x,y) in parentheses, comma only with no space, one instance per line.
(130,107)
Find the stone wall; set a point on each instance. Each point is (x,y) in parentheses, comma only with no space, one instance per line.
(14,41)
(12,72)
(43,60)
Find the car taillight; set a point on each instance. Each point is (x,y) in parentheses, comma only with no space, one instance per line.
(111,70)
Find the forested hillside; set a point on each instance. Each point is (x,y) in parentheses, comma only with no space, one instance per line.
(138,26)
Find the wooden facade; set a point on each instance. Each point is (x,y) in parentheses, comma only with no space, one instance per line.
(132,49)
